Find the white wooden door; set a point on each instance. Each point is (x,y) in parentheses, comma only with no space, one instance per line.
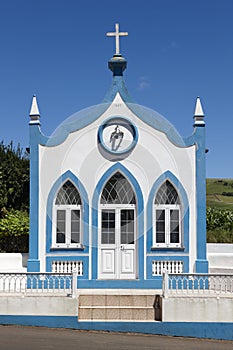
(117,242)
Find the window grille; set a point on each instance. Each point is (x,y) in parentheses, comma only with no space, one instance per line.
(68,194)
(118,191)
(167,194)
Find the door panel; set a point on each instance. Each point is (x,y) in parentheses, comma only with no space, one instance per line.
(127,263)
(117,243)
(108,262)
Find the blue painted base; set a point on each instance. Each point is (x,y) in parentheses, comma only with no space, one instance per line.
(202,266)
(33,265)
(208,330)
(155,283)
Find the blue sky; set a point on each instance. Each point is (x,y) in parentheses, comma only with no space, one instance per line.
(176,50)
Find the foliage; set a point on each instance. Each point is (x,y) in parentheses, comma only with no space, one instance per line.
(14,178)
(219,236)
(14,199)
(14,231)
(219,225)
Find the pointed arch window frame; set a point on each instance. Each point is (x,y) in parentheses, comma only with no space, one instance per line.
(165,216)
(113,188)
(119,204)
(139,219)
(71,216)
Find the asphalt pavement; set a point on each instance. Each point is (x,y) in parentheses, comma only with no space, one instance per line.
(39,338)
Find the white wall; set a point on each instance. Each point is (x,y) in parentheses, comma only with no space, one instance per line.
(38,305)
(197,309)
(220,257)
(13,262)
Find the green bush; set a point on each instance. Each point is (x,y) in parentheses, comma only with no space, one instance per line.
(219,224)
(219,235)
(14,232)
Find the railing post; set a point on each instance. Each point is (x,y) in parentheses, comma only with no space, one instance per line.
(165,284)
(74,283)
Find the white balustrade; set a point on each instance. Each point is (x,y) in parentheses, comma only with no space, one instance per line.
(66,266)
(171,266)
(220,284)
(27,283)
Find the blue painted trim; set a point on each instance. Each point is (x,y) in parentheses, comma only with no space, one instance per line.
(205,330)
(201,262)
(40,321)
(75,122)
(121,284)
(185,212)
(124,122)
(118,86)
(87,116)
(140,221)
(33,261)
(158,122)
(68,175)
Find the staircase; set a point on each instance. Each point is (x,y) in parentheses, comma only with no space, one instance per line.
(115,307)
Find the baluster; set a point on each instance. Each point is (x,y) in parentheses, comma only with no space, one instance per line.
(81,268)
(167,266)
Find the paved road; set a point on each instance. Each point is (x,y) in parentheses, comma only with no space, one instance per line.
(35,338)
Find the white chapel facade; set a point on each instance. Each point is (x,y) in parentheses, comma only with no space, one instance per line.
(117,193)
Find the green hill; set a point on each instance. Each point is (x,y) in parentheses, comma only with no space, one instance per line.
(219,193)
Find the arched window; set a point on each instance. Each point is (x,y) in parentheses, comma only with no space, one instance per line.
(167,214)
(68,216)
(118,191)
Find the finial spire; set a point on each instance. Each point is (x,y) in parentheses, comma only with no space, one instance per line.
(198,114)
(34,113)
(117,35)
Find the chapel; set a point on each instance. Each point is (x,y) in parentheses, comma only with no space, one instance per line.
(116,193)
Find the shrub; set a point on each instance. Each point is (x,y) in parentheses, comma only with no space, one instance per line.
(14,232)
(219,224)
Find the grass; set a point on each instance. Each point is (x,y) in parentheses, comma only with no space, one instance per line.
(214,193)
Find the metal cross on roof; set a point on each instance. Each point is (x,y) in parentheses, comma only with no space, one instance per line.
(117,34)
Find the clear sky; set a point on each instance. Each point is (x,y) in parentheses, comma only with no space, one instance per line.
(176,50)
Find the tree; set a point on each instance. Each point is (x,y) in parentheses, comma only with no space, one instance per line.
(14,199)
(14,178)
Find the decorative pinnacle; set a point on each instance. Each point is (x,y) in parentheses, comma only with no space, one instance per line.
(198,114)
(117,34)
(34,113)
(198,109)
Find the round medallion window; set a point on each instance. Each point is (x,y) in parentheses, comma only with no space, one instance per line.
(117,135)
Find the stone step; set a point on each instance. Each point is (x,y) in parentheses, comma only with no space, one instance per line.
(116,300)
(116,307)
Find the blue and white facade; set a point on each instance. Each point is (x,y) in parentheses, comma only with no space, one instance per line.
(117,194)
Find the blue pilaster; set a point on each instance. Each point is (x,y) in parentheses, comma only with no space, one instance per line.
(33,261)
(201,265)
